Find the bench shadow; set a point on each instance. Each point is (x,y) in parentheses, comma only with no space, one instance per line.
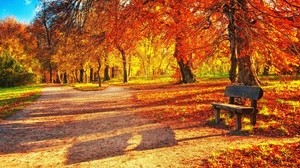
(98,149)
(157,138)
(117,145)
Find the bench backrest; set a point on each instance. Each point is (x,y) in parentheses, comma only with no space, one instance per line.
(249,92)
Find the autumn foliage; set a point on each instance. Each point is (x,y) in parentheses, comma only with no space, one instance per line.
(188,106)
(84,41)
(206,45)
(258,156)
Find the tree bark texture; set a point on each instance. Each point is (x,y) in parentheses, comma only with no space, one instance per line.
(186,73)
(247,74)
(239,39)
(230,11)
(124,61)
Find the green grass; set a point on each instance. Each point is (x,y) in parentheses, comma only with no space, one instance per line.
(150,80)
(88,86)
(16,98)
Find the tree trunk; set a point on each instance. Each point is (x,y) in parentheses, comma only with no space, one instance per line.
(51,73)
(106,73)
(91,74)
(247,74)
(267,66)
(239,39)
(186,74)
(112,72)
(60,77)
(99,73)
(81,75)
(86,77)
(106,69)
(76,75)
(129,66)
(66,78)
(125,76)
(229,10)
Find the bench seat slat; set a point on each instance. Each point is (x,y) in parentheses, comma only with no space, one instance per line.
(233,108)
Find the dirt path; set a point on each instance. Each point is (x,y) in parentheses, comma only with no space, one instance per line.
(70,128)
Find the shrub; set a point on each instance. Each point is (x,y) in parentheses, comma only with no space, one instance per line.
(12,73)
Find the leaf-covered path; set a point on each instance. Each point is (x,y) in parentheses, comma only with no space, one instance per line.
(71,128)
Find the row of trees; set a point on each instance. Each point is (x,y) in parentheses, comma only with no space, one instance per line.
(74,39)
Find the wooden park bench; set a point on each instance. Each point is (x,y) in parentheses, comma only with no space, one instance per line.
(253,93)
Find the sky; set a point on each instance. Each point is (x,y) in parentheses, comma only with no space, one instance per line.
(22,10)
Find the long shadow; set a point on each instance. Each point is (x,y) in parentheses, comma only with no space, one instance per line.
(16,137)
(116,145)
(72,108)
(172,100)
(157,138)
(23,137)
(98,149)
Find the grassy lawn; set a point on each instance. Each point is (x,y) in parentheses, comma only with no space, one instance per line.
(133,83)
(15,98)
(88,86)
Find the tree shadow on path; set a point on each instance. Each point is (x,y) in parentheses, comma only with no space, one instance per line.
(152,138)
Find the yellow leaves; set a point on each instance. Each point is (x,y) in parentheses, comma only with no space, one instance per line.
(157,8)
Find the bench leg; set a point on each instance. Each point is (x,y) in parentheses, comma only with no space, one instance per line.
(230,114)
(238,121)
(217,115)
(253,118)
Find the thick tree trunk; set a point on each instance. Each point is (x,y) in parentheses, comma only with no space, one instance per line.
(239,39)
(247,74)
(230,11)
(186,73)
